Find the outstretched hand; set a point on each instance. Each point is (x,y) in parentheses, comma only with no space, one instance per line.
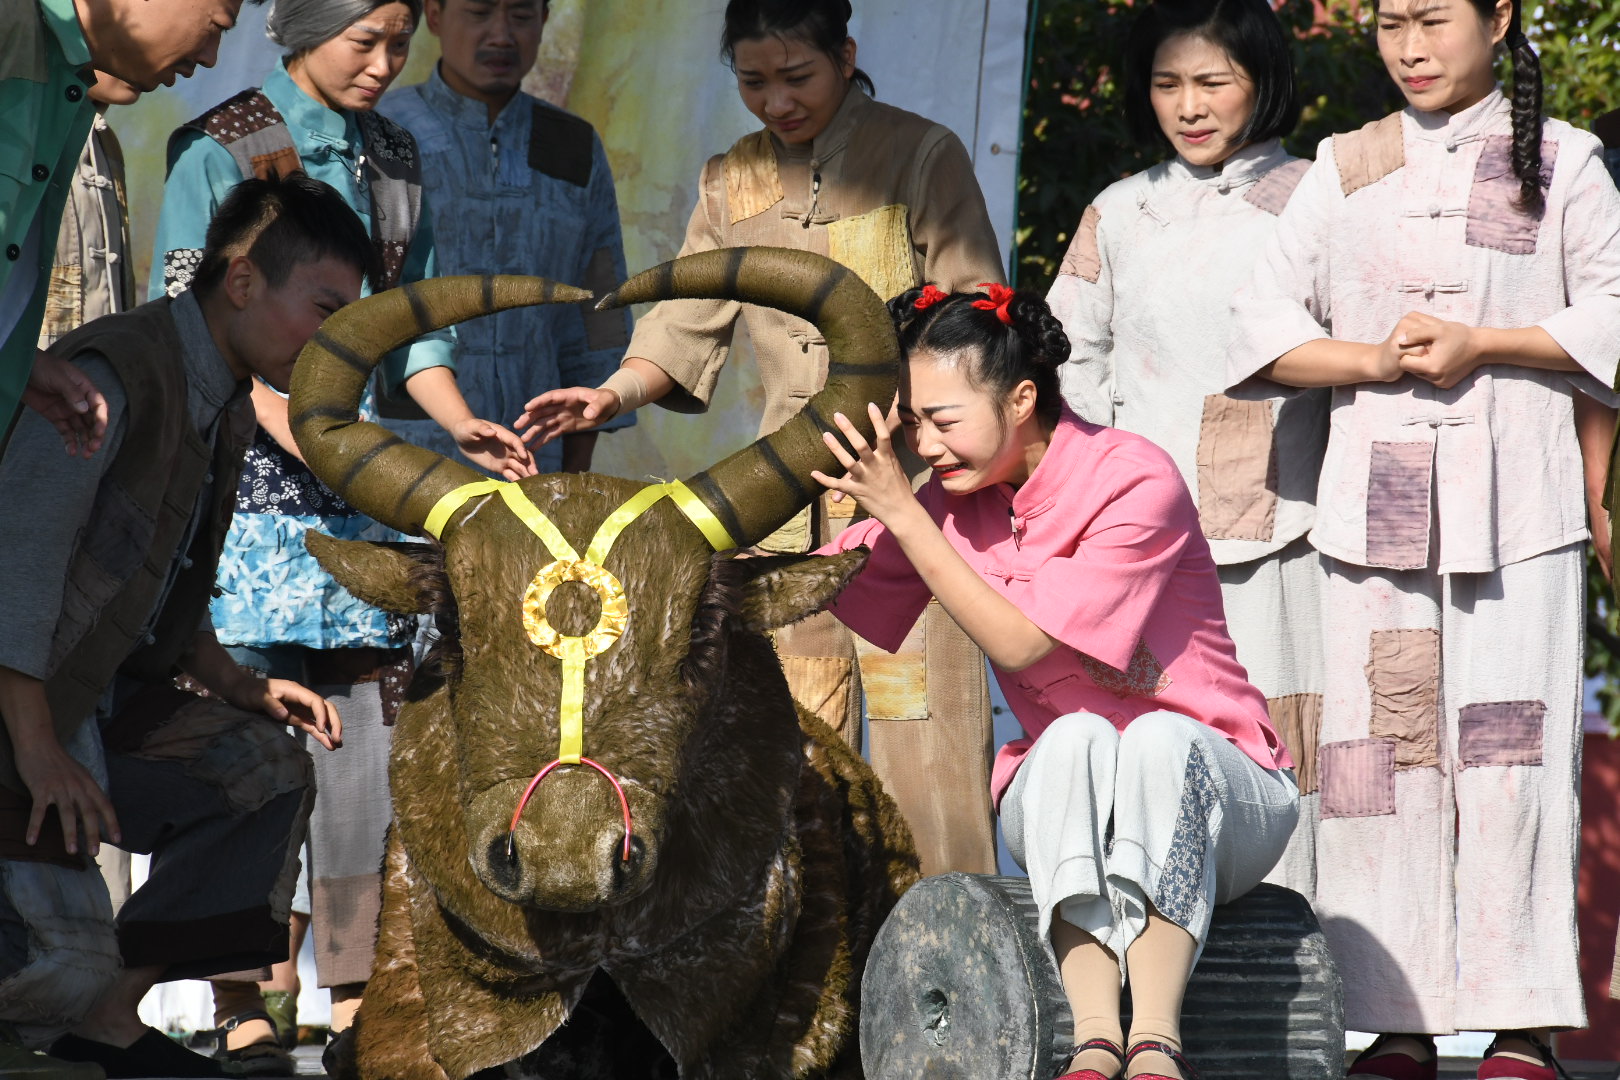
(493,447)
(62,394)
(873,473)
(566,411)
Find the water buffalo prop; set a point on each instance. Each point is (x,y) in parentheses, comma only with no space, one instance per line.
(611,778)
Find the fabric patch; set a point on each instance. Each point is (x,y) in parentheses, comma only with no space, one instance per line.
(1403,673)
(1357,778)
(64,302)
(247,760)
(1143,677)
(1084,259)
(603,329)
(1370,153)
(1237,469)
(1500,733)
(877,246)
(1298,720)
(896,685)
(561,145)
(753,183)
(1273,190)
(179,267)
(282,161)
(1495,219)
(385,139)
(238,116)
(820,683)
(1399,474)
(1182,890)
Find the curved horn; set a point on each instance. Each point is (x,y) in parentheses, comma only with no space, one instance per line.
(396,482)
(756,491)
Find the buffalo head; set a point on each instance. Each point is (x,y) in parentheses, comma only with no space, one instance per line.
(678,704)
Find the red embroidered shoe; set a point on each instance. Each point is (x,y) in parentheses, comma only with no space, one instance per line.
(1396,1066)
(1152,1045)
(1093,1074)
(1500,1067)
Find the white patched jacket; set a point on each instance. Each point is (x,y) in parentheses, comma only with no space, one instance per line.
(1144,295)
(1418,212)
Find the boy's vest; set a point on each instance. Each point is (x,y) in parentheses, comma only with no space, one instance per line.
(131,541)
(255,134)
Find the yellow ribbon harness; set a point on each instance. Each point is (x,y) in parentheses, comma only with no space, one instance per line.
(566,565)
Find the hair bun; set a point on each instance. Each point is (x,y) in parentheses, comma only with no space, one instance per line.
(1040,330)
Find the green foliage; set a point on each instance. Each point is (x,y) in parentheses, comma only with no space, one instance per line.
(1579,43)
(1075,140)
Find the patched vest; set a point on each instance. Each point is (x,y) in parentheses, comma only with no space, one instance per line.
(142,508)
(255,134)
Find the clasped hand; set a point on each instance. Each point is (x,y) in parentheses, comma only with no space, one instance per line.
(1435,350)
(873,474)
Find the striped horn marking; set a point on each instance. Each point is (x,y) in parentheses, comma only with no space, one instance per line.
(380,474)
(756,491)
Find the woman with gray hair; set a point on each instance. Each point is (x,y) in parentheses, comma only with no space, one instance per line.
(277,610)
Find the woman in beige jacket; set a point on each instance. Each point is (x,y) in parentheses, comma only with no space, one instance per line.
(892,196)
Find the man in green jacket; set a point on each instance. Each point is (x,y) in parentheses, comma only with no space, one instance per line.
(48,50)
(113,562)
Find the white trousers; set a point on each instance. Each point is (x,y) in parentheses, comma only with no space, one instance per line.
(1273,612)
(1167,813)
(1449,774)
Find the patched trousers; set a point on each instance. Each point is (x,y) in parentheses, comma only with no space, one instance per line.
(220,799)
(1167,813)
(1449,778)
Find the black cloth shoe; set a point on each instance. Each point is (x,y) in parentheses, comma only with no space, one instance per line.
(153,1054)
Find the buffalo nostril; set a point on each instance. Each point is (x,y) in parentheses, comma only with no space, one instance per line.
(622,868)
(502,860)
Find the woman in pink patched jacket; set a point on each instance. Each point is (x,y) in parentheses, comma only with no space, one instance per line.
(1150,785)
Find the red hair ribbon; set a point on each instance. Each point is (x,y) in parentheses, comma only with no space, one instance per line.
(1000,297)
(930,296)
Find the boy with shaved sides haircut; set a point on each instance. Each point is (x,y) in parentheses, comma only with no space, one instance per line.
(99,745)
(516,186)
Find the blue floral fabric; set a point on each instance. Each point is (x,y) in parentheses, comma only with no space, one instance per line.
(271,589)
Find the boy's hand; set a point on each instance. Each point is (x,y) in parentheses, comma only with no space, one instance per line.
(494,448)
(55,779)
(287,702)
(62,394)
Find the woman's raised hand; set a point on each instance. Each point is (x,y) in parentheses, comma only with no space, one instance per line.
(872,474)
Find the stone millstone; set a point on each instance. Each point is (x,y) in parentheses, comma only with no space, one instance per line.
(959,986)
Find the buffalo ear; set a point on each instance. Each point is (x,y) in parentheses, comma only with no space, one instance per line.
(780,589)
(383,575)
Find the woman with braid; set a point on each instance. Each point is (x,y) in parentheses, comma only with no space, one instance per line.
(1150,784)
(1453,272)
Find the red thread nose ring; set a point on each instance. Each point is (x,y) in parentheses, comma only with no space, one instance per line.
(624,804)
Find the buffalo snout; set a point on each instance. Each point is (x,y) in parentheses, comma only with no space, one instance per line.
(568,852)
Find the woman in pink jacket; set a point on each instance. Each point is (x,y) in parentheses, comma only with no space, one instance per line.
(1151,785)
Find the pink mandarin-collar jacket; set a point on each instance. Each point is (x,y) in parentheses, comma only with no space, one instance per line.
(1101,549)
